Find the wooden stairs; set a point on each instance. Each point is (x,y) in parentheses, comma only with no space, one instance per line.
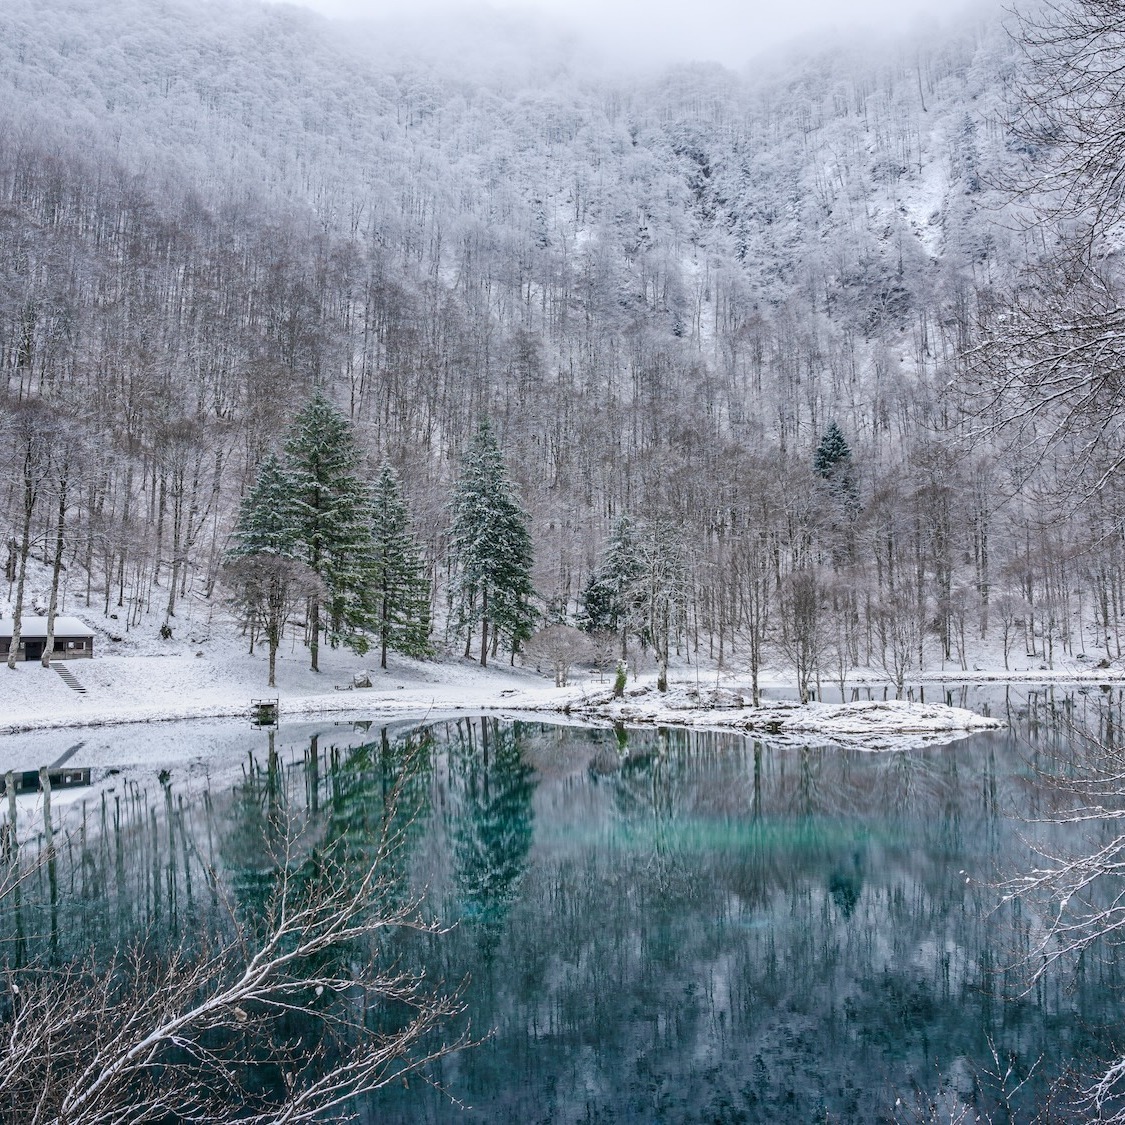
(68,676)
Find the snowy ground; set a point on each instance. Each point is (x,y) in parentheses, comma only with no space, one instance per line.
(205,671)
(173,684)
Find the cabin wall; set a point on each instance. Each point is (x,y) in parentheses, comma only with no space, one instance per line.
(65,648)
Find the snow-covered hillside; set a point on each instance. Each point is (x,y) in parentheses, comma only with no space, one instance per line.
(662,286)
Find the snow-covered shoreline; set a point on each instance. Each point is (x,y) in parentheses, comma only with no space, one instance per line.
(176,687)
(207,673)
(124,690)
(503,695)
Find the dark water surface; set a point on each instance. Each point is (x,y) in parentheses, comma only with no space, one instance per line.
(661,926)
(717,931)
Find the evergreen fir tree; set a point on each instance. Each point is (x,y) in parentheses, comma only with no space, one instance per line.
(832,454)
(264,564)
(662,591)
(598,606)
(265,517)
(331,514)
(490,550)
(832,462)
(613,597)
(397,580)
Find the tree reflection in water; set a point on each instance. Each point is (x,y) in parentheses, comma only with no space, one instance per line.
(710,929)
(252,984)
(490,820)
(668,926)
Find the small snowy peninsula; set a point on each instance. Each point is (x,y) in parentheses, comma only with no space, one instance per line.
(868,724)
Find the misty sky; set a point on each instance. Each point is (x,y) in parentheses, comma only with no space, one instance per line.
(728,31)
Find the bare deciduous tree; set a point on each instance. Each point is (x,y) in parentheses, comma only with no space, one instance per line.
(1072,108)
(559,647)
(802,636)
(899,625)
(34,431)
(1050,365)
(269,589)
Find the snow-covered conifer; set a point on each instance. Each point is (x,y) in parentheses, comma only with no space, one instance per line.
(264,566)
(398,581)
(613,600)
(832,462)
(490,550)
(662,591)
(265,518)
(832,454)
(331,513)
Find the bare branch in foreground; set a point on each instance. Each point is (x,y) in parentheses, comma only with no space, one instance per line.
(1081,893)
(285,1017)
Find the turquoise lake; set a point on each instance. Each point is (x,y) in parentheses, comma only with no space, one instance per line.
(657,926)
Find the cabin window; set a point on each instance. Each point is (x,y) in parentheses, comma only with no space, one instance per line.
(60,646)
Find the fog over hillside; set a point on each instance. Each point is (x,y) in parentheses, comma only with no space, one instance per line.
(646,33)
(662,285)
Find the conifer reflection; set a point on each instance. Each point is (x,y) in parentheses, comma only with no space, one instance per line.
(493,821)
(343,799)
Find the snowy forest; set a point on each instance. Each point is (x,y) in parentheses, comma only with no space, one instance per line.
(743,355)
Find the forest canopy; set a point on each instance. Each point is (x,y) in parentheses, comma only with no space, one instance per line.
(661,290)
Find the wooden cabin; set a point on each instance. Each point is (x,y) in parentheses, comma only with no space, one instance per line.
(74,640)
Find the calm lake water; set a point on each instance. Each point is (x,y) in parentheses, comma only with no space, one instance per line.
(656,926)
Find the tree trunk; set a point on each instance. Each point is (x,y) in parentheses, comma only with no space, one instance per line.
(56,570)
(484,630)
(177,529)
(314,634)
(662,643)
(383,632)
(29,493)
(21,579)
